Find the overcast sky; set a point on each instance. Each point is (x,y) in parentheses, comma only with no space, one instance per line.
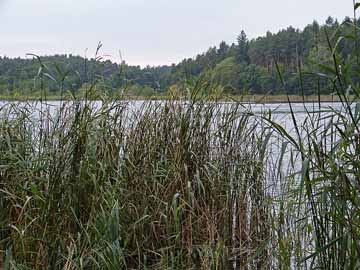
(148,31)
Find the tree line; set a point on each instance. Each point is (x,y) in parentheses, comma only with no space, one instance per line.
(245,67)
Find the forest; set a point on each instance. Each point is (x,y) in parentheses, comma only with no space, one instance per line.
(246,67)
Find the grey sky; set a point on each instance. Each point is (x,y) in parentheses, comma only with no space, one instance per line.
(148,31)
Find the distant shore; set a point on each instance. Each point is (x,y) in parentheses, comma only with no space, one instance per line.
(245,99)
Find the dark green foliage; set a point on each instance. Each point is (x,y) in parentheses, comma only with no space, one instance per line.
(242,54)
(253,70)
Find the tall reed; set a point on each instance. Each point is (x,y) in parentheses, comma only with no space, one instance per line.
(154,185)
(324,194)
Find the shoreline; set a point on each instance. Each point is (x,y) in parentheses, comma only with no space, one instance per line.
(247,99)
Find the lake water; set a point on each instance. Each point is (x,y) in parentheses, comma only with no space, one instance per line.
(280,114)
(300,109)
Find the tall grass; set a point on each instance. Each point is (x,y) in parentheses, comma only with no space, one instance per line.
(101,185)
(321,204)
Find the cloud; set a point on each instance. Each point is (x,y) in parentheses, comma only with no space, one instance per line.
(3,6)
(151,32)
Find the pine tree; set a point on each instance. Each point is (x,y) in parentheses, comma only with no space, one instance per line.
(242,56)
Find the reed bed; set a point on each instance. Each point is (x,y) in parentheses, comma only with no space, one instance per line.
(176,184)
(97,185)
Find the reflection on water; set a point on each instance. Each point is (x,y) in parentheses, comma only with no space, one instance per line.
(283,160)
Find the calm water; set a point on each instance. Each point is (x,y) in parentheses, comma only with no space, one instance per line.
(280,114)
(279,108)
